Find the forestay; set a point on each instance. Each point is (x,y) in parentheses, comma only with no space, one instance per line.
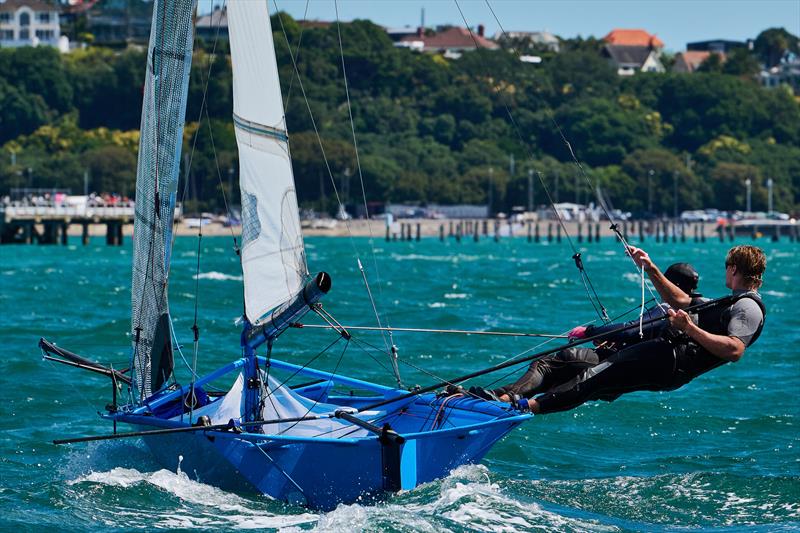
(273,257)
(169,58)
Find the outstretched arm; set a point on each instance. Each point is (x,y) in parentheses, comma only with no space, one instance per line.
(726,348)
(669,292)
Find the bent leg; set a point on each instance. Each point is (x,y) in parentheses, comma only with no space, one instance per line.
(645,366)
(544,374)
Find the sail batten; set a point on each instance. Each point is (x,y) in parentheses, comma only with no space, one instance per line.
(273,255)
(161,135)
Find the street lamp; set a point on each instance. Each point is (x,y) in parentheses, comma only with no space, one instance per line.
(530,190)
(491,188)
(230,185)
(747,183)
(650,191)
(675,195)
(769,189)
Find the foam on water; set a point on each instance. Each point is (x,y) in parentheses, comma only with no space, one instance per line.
(722,451)
(217,276)
(466,499)
(201,505)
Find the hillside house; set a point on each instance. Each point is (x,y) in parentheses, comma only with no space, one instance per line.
(689,61)
(545,39)
(632,51)
(29,23)
(451,42)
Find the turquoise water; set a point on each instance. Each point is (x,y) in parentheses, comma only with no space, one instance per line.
(723,452)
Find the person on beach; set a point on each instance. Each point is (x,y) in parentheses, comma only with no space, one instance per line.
(560,369)
(689,348)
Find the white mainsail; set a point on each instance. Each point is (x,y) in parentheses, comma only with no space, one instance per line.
(169,58)
(273,256)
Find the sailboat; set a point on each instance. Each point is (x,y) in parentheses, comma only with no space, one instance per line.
(333,439)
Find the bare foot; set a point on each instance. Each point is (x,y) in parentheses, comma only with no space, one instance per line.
(504,398)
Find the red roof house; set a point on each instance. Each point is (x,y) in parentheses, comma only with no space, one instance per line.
(621,37)
(451,41)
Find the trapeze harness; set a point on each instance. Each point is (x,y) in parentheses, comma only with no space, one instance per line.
(665,363)
(692,359)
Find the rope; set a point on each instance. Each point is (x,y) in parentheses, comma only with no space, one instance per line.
(426,330)
(364,197)
(195,329)
(581,170)
(296,53)
(591,293)
(222,188)
(325,158)
(335,370)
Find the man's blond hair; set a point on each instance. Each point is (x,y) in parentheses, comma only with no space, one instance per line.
(749,261)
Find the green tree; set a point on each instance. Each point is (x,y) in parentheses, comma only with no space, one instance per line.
(655,173)
(772,43)
(20,112)
(713,63)
(112,169)
(740,62)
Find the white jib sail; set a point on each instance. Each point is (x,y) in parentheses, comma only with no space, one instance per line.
(273,257)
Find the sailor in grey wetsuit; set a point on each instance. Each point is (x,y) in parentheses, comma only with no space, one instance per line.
(687,350)
(570,364)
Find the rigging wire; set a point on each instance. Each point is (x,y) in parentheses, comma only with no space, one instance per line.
(222,187)
(591,292)
(366,208)
(613,225)
(317,135)
(427,330)
(525,352)
(195,328)
(315,402)
(296,53)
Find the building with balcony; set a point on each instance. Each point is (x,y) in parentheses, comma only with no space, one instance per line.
(30,23)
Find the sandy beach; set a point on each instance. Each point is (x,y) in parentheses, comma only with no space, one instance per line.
(427,228)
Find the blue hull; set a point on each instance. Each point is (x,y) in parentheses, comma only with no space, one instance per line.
(321,473)
(438,435)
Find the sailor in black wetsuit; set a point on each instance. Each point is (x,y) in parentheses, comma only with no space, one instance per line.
(720,335)
(560,369)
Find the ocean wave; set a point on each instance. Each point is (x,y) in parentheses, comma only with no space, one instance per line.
(217,276)
(701,498)
(203,505)
(467,499)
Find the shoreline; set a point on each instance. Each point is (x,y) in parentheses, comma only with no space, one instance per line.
(427,228)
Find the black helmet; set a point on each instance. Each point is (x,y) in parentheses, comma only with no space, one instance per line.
(685,277)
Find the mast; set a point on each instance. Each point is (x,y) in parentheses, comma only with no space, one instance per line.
(169,58)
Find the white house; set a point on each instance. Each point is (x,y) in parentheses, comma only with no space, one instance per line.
(631,59)
(787,72)
(30,23)
(541,38)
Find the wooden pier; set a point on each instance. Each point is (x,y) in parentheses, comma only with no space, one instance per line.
(30,224)
(634,231)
